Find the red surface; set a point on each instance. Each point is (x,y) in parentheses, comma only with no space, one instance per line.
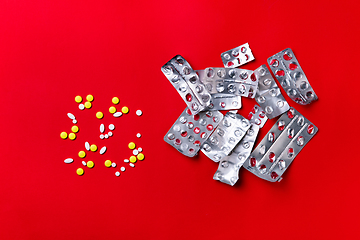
(51,51)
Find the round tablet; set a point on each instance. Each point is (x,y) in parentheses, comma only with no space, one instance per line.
(87,104)
(75,129)
(93,148)
(140,156)
(113,164)
(79,171)
(135,152)
(81,106)
(63,135)
(132,159)
(106,136)
(125,109)
(131,145)
(90,98)
(90,164)
(74,121)
(72,136)
(122,169)
(115,100)
(138,135)
(78,99)
(111,127)
(140,149)
(138,112)
(112,109)
(99,115)
(117,173)
(110,134)
(107,163)
(102,136)
(82,154)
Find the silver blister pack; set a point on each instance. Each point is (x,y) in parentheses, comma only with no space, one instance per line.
(279,147)
(257,116)
(228,170)
(187,83)
(240,82)
(268,95)
(221,101)
(226,136)
(291,77)
(237,56)
(190,131)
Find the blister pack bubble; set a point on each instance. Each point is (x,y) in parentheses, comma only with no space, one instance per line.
(268,95)
(280,146)
(187,83)
(237,56)
(228,170)
(221,101)
(257,116)
(291,77)
(239,82)
(190,131)
(226,136)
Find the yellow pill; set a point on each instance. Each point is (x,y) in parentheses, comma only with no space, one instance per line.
(93,147)
(107,163)
(112,109)
(90,164)
(90,98)
(72,136)
(99,115)
(115,100)
(140,156)
(132,159)
(80,171)
(82,154)
(78,99)
(125,109)
(63,135)
(75,129)
(131,145)
(87,104)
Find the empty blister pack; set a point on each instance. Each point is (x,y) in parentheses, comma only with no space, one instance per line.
(226,136)
(268,95)
(187,83)
(257,116)
(237,56)
(228,170)
(240,82)
(190,131)
(291,77)
(278,148)
(224,102)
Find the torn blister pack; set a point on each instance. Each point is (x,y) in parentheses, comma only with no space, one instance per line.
(268,95)
(187,83)
(228,170)
(291,77)
(237,56)
(221,101)
(239,82)
(190,131)
(257,116)
(226,136)
(279,147)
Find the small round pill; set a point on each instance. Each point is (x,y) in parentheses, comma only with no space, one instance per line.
(83,163)
(126,160)
(112,109)
(90,164)
(138,135)
(75,129)
(140,156)
(90,98)
(111,127)
(106,136)
(107,163)
(135,152)
(87,104)
(99,115)
(110,134)
(74,121)
(132,165)
(140,149)
(138,112)
(132,159)
(117,114)
(131,145)
(115,100)
(93,148)
(81,106)
(63,135)
(72,136)
(102,136)
(78,99)
(82,154)
(113,164)
(79,171)
(122,169)
(125,109)
(117,173)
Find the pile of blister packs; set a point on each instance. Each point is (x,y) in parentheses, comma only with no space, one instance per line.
(230,139)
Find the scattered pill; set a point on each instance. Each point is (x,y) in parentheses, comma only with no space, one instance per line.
(78,99)
(135,152)
(75,129)
(110,134)
(117,114)
(63,135)
(117,173)
(90,164)
(99,115)
(112,109)
(80,171)
(125,109)
(111,127)
(90,98)
(131,145)
(102,128)
(126,160)
(138,135)
(71,116)
(74,121)
(140,156)
(82,154)
(103,150)
(122,169)
(132,159)
(138,112)
(132,165)
(113,164)
(87,104)
(87,146)
(115,100)
(106,136)
(107,163)
(140,149)
(81,106)
(93,148)
(83,163)
(102,136)
(68,160)
(72,136)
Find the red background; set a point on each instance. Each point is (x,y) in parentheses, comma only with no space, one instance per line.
(51,51)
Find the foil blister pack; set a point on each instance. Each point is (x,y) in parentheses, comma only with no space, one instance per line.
(237,56)
(221,101)
(257,116)
(280,146)
(291,77)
